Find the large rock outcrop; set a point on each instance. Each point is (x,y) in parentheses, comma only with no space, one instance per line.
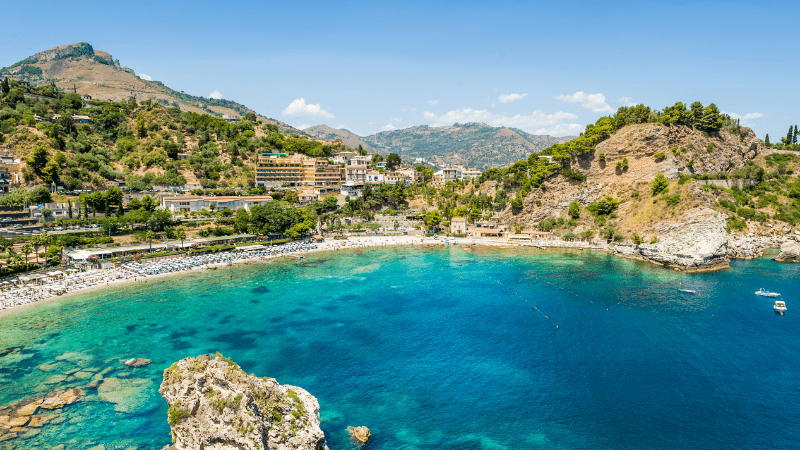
(789,251)
(698,242)
(215,405)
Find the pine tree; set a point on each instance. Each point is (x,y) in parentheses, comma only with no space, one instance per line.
(789,135)
(794,137)
(766,140)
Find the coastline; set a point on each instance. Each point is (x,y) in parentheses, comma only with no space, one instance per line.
(329,245)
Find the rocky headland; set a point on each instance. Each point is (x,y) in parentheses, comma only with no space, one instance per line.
(215,405)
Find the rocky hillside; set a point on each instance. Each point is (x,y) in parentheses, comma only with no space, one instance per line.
(326,133)
(81,68)
(214,404)
(471,145)
(688,222)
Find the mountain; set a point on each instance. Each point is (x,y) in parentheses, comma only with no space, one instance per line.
(82,69)
(471,145)
(347,137)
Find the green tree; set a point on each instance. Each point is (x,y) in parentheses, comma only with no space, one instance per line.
(69,208)
(291,197)
(427,173)
(149,204)
(432,218)
(39,196)
(241,221)
(376,158)
(141,131)
(4,87)
(696,114)
(660,183)
(181,234)
(766,140)
(149,236)
(114,196)
(47,214)
(575,210)
(393,161)
(26,250)
(38,160)
(712,120)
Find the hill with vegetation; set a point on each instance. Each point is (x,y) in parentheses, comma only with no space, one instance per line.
(143,143)
(81,69)
(471,145)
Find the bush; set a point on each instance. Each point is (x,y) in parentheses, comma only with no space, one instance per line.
(659,156)
(602,157)
(574,210)
(638,240)
(659,184)
(673,200)
(574,175)
(604,206)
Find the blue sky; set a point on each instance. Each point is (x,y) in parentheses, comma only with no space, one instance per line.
(544,67)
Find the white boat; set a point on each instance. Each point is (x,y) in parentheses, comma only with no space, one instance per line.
(687,291)
(780,306)
(764,293)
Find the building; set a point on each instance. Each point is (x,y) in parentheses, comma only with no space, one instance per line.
(450,173)
(193,203)
(276,169)
(469,174)
(306,197)
(5,180)
(352,189)
(361,160)
(343,157)
(356,173)
(374,177)
(458,225)
(57,210)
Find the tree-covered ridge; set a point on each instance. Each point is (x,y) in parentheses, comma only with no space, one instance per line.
(143,143)
(708,119)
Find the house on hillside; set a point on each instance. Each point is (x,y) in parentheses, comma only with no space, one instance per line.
(458,225)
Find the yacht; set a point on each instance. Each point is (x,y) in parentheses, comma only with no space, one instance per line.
(764,293)
(780,306)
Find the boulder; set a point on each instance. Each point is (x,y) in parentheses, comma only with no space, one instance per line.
(359,434)
(214,404)
(789,252)
(29,409)
(57,401)
(137,362)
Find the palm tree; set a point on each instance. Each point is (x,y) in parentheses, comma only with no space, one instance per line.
(36,243)
(26,250)
(181,234)
(150,235)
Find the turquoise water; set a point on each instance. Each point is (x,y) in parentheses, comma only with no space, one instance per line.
(441,349)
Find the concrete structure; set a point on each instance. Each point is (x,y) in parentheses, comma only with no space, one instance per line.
(450,173)
(276,169)
(343,157)
(5,180)
(58,210)
(374,177)
(356,173)
(192,203)
(458,225)
(352,189)
(469,174)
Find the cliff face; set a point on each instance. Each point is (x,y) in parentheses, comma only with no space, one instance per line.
(215,405)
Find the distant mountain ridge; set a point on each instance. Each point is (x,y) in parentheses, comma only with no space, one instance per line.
(92,72)
(472,144)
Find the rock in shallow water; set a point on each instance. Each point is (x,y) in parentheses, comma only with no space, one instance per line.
(137,362)
(128,395)
(214,404)
(359,434)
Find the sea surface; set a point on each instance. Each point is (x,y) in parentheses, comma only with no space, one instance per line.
(445,348)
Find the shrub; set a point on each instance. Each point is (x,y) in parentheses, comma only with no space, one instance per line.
(659,184)
(176,414)
(710,147)
(659,156)
(574,175)
(673,200)
(602,157)
(603,207)
(637,239)
(574,210)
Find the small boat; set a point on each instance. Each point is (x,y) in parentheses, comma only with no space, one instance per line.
(687,291)
(780,307)
(764,293)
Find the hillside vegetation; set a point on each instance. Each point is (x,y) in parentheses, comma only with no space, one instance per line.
(144,143)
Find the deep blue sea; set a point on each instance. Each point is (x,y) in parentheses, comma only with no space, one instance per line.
(445,348)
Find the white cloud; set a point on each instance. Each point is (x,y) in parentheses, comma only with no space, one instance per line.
(433,102)
(593,102)
(303,126)
(744,119)
(397,119)
(627,101)
(216,95)
(300,108)
(145,76)
(505,98)
(537,122)
(389,127)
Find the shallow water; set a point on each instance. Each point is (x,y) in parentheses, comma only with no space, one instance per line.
(440,348)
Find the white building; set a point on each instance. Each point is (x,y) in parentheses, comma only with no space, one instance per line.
(192,203)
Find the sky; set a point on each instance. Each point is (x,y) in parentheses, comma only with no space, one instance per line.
(544,67)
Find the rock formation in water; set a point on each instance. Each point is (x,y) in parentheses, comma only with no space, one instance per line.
(215,405)
(359,434)
(789,251)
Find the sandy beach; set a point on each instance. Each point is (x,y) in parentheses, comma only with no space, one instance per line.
(99,279)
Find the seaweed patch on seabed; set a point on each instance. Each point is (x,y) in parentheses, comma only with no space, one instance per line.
(313,262)
(259,290)
(9,350)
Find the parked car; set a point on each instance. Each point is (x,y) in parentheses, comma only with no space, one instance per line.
(58,228)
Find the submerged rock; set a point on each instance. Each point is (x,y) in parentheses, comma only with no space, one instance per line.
(137,362)
(128,395)
(359,434)
(214,404)
(59,400)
